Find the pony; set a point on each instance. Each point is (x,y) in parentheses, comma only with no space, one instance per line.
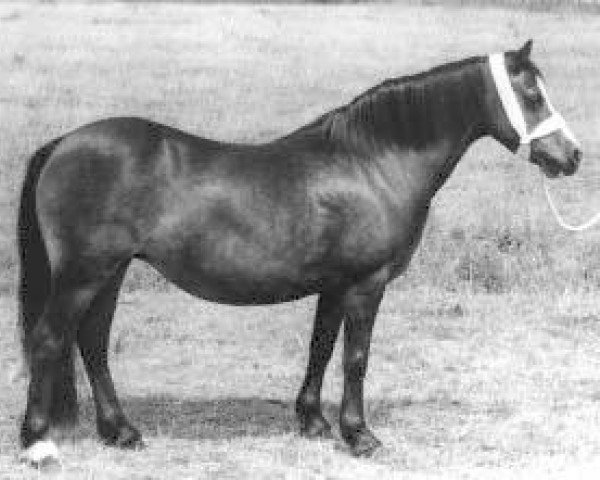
(335,209)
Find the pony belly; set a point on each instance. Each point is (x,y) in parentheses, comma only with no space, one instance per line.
(233,284)
(236,291)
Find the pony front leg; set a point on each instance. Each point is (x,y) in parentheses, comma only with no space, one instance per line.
(308,405)
(362,306)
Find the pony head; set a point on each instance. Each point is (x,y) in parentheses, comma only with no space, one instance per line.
(528,117)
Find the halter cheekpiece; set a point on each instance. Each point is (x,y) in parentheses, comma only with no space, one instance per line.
(555,122)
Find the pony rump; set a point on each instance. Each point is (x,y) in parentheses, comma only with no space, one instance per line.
(34,285)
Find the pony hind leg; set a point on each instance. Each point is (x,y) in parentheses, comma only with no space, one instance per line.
(328,319)
(73,288)
(93,339)
(63,406)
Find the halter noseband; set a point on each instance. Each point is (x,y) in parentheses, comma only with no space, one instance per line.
(555,122)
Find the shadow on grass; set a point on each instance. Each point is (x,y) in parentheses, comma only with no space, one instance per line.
(198,418)
(220,418)
(216,419)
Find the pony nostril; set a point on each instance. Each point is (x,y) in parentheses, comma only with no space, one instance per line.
(577,154)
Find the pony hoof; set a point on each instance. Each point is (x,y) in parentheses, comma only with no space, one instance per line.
(315,426)
(132,444)
(125,437)
(362,443)
(42,455)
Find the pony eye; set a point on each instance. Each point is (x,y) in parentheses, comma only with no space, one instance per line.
(534,96)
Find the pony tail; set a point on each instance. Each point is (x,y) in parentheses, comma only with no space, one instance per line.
(34,273)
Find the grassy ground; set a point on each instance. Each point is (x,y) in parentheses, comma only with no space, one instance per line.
(477,387)
(484,362)
(250,73)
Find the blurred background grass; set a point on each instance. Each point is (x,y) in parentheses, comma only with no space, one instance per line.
(253,72)
(533,5)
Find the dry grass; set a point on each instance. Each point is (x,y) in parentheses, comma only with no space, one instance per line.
(492,386)
(463,383)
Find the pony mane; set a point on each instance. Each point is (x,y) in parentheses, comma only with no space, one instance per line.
(409,111)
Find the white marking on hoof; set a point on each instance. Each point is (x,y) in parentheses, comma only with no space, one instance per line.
(41,453)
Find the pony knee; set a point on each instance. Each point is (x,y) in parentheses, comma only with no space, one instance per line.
(355,365)
(47,348)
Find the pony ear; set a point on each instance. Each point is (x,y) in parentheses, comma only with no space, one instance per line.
(525,51)
(519,58)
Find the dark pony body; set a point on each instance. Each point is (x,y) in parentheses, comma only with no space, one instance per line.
(335,208)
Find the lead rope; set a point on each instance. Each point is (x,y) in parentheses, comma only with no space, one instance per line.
(567,226)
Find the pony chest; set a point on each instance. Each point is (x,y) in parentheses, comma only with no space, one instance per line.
(373,233)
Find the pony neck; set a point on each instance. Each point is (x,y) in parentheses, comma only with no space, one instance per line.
(416,111)
(435,115)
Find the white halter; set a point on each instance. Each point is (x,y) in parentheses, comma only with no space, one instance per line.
(555,122)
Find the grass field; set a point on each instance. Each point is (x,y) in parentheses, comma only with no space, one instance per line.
(485,358)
